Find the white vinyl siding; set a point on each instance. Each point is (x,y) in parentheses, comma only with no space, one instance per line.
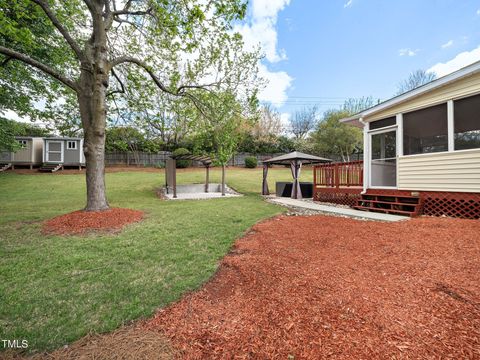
(446,171)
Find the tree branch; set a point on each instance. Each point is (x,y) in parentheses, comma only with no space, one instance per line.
(73,44)
(90,6)
(179,92)
(122,90)
(128,12)
(38,65)
(156,80)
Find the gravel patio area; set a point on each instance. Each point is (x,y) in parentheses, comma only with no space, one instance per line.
(309,287)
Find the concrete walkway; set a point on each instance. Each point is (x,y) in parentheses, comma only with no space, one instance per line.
(305,204)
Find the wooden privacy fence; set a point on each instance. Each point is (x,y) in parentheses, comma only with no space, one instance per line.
(338,183)
(159,159)
(137,158)
(239,158)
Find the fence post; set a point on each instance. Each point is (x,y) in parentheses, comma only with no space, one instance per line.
(336,179)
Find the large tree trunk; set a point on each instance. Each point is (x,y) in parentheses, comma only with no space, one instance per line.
(92,95)
(94,150)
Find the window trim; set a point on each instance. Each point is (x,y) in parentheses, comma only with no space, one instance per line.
(441,152)
(74,142)
(23,142)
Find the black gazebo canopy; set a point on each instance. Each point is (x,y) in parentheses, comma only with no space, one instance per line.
(295,159)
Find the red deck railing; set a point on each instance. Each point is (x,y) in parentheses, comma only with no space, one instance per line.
(339,183)
(339,175)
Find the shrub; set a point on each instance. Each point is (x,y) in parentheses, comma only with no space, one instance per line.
(251,162)
(182,164)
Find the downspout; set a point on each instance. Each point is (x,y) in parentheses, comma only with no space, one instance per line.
(365,154)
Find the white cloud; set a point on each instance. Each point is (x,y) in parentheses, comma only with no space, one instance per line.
(268,8)
(260,30)
(348,4)
(285,120)
(447,44)
(408,52)
(461,60)
(263,34)
(276,89)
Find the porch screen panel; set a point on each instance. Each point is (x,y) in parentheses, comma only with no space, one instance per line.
(467,123)
(383,123)
(425,131)
(384,159)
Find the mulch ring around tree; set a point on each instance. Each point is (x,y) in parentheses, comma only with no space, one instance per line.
(80,222)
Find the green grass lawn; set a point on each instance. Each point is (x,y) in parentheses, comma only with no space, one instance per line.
(54,290)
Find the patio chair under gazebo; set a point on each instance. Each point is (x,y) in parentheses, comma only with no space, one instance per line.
(295,160)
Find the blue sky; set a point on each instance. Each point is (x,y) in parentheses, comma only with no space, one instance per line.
(325,51)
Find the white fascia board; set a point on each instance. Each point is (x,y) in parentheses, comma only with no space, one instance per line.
(447,79)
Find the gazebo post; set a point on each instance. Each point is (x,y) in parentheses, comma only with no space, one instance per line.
(265,190)
(174,178)
(295,179)
(223,179)
(207,168)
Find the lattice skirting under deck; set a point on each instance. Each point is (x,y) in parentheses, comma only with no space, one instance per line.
(347,197)
(435,203)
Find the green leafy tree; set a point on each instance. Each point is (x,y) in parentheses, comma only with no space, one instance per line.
(221,126)
(91,57)
(332,137)
(9,129)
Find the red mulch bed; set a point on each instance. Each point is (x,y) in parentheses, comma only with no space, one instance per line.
(316,287)
(79,222)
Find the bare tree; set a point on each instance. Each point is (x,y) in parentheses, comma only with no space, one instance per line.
(269,124)
(415,79)
(303,121)
(356,105)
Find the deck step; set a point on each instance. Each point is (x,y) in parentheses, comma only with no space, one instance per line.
(383,211)
(50,168)
(397,204)
(4,167)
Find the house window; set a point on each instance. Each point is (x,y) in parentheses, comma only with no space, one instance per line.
(71,145)
(383,123)
(467,123)
(425,131)
(22,142)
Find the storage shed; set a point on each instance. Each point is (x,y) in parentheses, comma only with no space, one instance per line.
(64,151)
(29,155)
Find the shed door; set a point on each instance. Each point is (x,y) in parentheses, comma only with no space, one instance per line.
(55,151)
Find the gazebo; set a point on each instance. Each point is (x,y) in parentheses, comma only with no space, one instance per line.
(295,160)
(171,171)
